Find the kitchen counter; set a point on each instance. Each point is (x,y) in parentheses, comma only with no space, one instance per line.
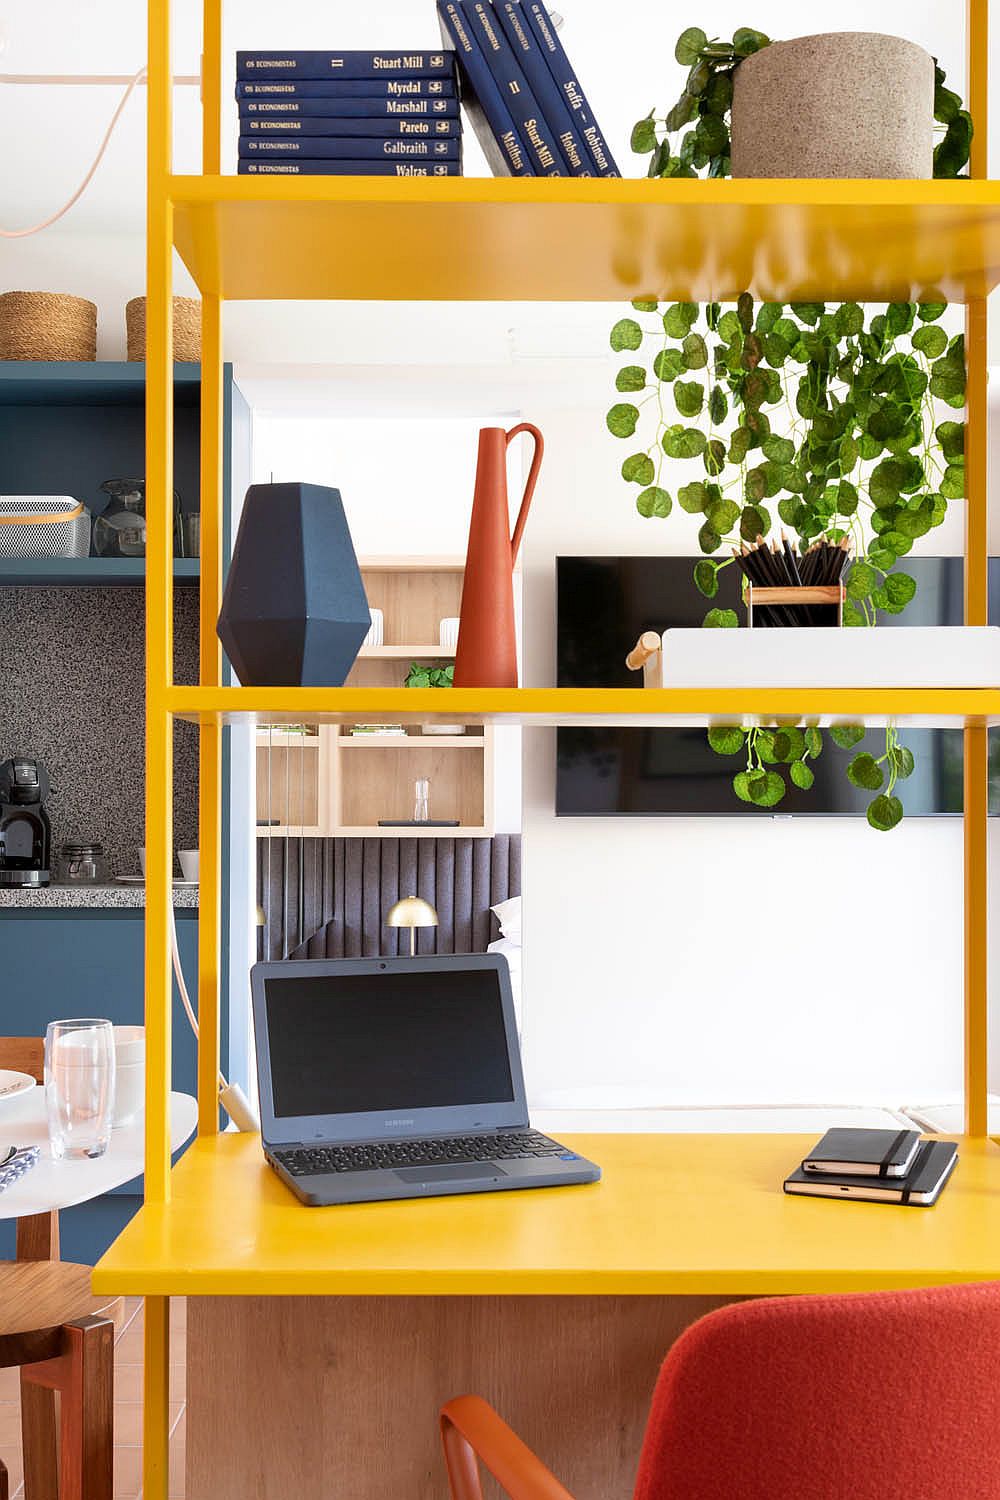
(113,897)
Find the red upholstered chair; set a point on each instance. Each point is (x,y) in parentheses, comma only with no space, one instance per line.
(876,1396)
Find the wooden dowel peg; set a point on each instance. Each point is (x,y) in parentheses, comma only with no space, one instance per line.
(646,646)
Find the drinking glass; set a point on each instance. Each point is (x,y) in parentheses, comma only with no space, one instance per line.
(79,1086)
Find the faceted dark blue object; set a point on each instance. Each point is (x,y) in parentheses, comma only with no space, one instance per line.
(294,611)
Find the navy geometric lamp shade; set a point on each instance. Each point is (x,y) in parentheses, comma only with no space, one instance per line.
(294,611)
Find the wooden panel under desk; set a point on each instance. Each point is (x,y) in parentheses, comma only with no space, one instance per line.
(337,1398)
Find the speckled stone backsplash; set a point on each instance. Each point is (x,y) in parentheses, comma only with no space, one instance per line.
(72,696)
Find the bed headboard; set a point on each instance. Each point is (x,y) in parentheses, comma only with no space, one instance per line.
(328,898)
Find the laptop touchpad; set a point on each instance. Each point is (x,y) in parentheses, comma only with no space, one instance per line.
(468,1171)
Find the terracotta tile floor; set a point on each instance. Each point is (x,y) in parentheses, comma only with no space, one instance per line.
(128,1408)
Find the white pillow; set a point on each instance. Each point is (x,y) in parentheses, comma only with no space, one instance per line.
(508,914)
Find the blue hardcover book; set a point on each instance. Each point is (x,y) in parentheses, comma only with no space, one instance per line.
(539,21)
(531,123)
(481,97)
(275,67)
(351,109)
(310,167)
(330,146)
(351,88)
(295,129)
(554,107)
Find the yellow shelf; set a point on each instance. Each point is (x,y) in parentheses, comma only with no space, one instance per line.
(586,239)
(660,1222)
(532,707)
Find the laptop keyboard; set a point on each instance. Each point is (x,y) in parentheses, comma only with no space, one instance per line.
(510,1145)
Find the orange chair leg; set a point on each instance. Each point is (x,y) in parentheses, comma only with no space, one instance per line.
(462,1465)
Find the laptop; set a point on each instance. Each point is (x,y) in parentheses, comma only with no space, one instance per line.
(397,1078)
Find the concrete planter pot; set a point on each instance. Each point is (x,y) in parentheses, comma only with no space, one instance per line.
(844,104)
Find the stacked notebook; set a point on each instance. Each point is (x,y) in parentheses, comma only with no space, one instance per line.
(349,114)
(879,1166)
(519,89)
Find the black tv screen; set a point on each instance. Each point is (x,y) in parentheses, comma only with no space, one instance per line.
(605,603)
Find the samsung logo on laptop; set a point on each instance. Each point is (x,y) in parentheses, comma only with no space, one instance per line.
(397,1124)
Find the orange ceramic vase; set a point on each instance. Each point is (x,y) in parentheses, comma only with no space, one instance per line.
(486,655)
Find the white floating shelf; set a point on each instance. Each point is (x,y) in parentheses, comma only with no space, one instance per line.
(918,656)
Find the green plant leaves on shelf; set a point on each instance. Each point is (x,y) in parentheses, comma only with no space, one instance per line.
(762,788)
(623,419)
(884,813)
(802,775)
(690,45)
(626,334)
(638,469)
(693,498)
(706,578)
(679,319)
(689,397)
(726,740)
(683,442)
(643,136)
(847,735)
(930,340)
(654,502)
(864,771)
(631,378)
(721,619)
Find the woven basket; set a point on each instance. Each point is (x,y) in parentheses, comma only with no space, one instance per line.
(47,325)
(187,328)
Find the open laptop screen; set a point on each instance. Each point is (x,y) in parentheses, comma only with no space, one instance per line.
(403,1039)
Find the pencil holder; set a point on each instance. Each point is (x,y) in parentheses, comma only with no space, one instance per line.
(802,604)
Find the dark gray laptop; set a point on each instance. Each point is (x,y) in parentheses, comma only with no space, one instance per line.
(397,1078)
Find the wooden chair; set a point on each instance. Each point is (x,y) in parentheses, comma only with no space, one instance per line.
(876,1396)
(62,1338)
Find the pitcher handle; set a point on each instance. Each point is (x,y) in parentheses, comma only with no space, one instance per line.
(529,488)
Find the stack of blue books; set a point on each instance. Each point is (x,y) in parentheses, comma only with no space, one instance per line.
(349,114)
(519,89)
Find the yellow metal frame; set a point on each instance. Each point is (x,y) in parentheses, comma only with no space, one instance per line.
(211,703)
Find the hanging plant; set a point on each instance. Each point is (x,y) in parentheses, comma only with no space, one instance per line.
(823,419)
(695,135)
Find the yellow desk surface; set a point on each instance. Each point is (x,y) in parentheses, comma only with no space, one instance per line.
(673,1214)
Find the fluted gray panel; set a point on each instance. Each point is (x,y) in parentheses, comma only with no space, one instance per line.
(328,898)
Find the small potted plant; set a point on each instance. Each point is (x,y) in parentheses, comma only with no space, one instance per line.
(433,677)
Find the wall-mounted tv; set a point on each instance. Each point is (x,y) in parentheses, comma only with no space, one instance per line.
(604,603)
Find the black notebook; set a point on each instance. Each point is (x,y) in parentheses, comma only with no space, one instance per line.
(921,1186)
(864,1153)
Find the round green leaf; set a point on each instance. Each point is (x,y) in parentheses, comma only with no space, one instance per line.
(644,306)
(801,775)
(623,419)
(781,450)
(951,436)
(861,580)
(865,772)
(654,502)
(722,515)
(689,46)
(679,318)
(683,442)
(931,341)
(900,588)
(706,578)
(746,41)
(884,813)
(754,522)
(726,740)
(692,498)
(847,735)
(741,786)
(953,482)
(766,788)
(715,457)
(814,742)
(709,540)
(631,378)
(643,138)
(638,468)
(695,352)
(718,406)
(689,397)
(903,762)
(721,619)
(626,334)
(929,312)
(668,364)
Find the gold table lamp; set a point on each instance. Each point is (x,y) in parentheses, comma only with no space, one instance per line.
(412,912)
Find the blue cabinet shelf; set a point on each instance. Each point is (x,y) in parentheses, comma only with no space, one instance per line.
(86,572)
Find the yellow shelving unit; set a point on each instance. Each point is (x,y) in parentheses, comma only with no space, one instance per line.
(229,1228)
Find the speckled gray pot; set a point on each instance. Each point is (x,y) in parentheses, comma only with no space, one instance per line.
(844,104)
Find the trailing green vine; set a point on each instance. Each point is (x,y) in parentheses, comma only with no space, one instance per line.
(826,419)
(695,135)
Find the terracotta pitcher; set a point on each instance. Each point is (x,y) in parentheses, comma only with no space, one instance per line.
(486,655)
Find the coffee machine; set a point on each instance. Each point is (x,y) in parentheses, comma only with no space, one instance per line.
(25,832)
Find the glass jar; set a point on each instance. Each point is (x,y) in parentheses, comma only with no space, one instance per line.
(81,864)
(120,531)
